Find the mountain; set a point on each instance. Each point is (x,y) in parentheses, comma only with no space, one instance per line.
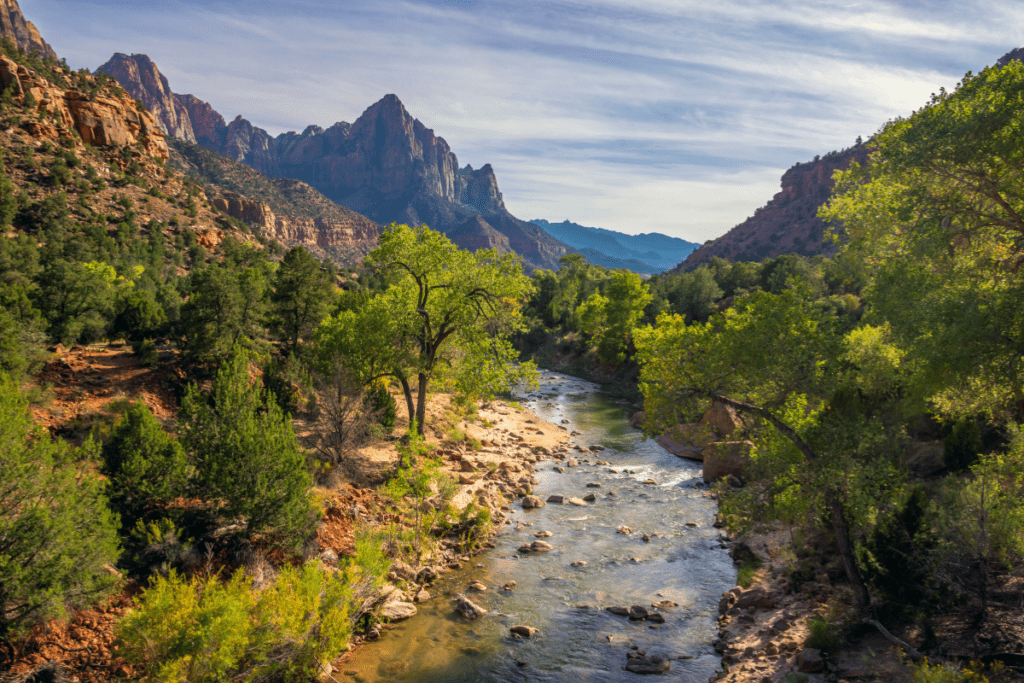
(645,253)
(386,165)
(789,223)
(22,33)
(154,92)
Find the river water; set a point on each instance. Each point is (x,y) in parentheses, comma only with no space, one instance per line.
(577,639)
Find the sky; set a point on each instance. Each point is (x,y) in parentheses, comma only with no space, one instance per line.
(671,116)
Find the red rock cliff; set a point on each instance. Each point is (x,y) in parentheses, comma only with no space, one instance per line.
(789,223)
(23,33)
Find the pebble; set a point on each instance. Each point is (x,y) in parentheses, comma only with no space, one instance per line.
(624,530)
(590,497)
(577,501)
(477,586)
(543,534)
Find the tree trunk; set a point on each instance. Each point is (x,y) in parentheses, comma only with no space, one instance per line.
(408,397)
(832,502)
(421,403)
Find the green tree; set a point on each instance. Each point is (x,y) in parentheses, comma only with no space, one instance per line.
(936,218)
(245,453)
(226,306)
(627,298)
(453,305)
(303,292)
(75,298)
(56,531)
(824,442)
(145,465)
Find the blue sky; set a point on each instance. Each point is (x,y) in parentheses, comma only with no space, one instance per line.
(669,116)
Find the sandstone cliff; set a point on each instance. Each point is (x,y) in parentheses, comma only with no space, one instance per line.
(788,224)
(22,33)
(150,86)
(279,208)
(107,119)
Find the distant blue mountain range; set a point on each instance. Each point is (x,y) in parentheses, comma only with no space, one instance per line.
(648,253)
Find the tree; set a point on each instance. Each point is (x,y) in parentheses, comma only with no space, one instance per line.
(302,294)
(824,437)
(451,305)
(56,532)
(226,306)
(74,297)
(936,217)
(146,466)
(245,453)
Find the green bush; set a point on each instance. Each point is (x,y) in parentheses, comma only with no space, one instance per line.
(146,466)
(962,445)
(823,636)
(947,673)
(383,406)
(56,531)
(202,630)
(147,352)
(246,455)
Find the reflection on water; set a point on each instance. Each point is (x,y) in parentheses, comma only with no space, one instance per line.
(563,592)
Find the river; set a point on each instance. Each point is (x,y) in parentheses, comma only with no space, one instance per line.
(577,640)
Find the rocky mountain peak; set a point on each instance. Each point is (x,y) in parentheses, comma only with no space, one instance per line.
(22,32)
(150,86)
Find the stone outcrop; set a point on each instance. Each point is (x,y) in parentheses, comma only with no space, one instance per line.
(138,75)
(318,235)
(789,223)
(726,458)
(101,121)
(208,127)
(23,33)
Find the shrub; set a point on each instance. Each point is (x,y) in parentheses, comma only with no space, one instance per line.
(382,406)
(146,351)
(146,466)
(245,452)
(56,531)
(823,636)
(962,445)
(946,673)
(203,630)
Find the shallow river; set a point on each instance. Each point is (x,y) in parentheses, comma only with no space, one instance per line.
(681,563)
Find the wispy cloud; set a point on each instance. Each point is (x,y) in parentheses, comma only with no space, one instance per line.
(673,115)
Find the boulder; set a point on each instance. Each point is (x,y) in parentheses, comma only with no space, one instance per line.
(809,661)
(555,498)
(647,664)
(577,501)
(523,631)
(421,596)
(397,610)
(722,418)
(638,612)
(638,419)
(530,502)
(726,458)
(687,440)
(468,608)
(620,611)
(477,586)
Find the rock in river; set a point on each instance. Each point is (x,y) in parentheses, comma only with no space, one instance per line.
(649,664)
(532,502)
(524,631)
(396,611)
(468,608)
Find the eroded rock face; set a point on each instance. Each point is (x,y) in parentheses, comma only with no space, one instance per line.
(23,33)
(101,121)
(139,76)
(208,127)
(788,224)
(358,234)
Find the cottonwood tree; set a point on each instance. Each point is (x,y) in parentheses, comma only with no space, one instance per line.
(824,434)
(446,310)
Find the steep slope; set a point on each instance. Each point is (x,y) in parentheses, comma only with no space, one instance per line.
(289,211)
(151,87)
(788,224)
(387,165)
(22,32)
(646,253)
